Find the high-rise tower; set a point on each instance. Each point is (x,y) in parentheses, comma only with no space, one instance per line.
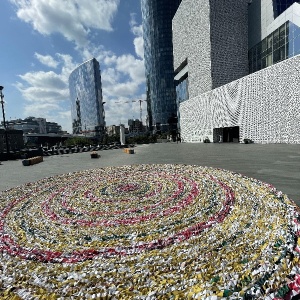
(86,99)
(158,54)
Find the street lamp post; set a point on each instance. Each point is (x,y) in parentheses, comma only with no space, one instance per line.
(4,122)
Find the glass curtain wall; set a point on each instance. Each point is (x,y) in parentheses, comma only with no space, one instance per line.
(281,44)
(86,99)
(182,94)
(158,56)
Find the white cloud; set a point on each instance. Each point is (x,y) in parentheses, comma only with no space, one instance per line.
(47,60)
(43,87)
(64,119)
(131,66)
(120,90)
(42,94)
(110,76)
(123,77)
(139,46)
(138,41)
(46,92)
(40,109)
(47,80)
(110,60)
(72,19)
(67,67)
(119,111)
(52,112)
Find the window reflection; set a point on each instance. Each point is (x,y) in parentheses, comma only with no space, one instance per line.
(182,94)
(281,44)
(297,45)
(158,57)
(86,99)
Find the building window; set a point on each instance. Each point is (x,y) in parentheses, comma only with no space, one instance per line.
(278,46)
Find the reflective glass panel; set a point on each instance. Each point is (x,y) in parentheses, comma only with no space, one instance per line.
(297,45)
(86,99)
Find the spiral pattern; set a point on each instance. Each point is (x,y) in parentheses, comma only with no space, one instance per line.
(156,231)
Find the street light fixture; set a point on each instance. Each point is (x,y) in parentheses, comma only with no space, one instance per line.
(4,122)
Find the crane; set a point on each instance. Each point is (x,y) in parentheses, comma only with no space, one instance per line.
(139,100)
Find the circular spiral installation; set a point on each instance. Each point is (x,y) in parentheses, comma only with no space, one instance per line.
(149,232)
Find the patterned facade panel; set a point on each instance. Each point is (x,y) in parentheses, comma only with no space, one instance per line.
(230,101)
(195,119)
(229,40)
(193,44)
(265,105)
(213,37)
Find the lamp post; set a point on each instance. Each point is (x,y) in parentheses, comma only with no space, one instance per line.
(4,122)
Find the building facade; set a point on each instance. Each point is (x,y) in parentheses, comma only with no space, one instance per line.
(86,100)
(135,126)
(274,32)
(263,107)
(210,43)
(158,56)
(34,125)
(113,130)
(13,137)
(212,55)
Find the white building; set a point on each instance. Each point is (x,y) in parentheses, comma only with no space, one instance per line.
(213,60)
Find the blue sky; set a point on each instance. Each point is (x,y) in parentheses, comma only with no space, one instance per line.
(42,41)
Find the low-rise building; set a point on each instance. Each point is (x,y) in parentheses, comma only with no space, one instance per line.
(113,130)
(135,126)
(34,125)
(14,139)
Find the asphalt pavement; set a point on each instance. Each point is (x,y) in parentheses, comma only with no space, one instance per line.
(277,164)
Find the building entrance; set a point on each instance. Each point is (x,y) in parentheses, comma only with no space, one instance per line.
(227,134)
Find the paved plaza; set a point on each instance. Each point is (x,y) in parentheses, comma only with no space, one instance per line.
(148,224)
(277,164)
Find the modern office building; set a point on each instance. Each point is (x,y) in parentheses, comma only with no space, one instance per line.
(158,56)
(210,41)
(86,100)
(237,70)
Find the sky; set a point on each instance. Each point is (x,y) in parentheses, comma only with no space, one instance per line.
(43,41)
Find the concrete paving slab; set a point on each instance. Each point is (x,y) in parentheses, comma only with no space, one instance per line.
(277,164)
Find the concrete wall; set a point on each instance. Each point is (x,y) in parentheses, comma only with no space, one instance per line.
(265,105)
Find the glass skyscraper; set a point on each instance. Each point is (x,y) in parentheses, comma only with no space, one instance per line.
(158,55)
(86,99)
